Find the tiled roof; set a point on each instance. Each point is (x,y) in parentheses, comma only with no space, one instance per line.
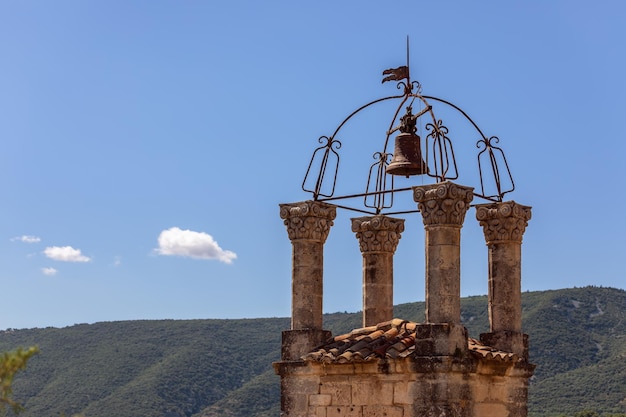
(392,339)
(487,352)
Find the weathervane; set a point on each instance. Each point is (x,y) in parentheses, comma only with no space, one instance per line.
(435,160)
(401,73)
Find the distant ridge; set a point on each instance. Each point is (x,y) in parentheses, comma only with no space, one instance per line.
(210,368)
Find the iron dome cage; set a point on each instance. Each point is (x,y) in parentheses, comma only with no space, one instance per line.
(432,157)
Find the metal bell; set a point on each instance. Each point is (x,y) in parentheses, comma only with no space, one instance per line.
(407,156)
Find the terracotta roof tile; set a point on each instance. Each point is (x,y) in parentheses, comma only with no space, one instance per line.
(487,352)
(391,339)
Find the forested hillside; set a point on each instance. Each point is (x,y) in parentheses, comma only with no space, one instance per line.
(210,368)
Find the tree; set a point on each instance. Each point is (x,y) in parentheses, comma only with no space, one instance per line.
(10,364)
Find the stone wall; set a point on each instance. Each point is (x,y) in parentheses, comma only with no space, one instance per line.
(408,387)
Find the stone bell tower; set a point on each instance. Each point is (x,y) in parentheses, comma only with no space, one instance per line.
(394,367)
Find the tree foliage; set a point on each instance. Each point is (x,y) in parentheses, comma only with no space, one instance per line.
(10,364)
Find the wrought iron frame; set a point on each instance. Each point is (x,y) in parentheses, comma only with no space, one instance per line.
(379,191)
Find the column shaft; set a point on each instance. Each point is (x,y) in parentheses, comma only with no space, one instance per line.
(307,285)
(443,274)
(443,207)
(377,288)
(378,239)
(308,224)
(505,290)
(504,224)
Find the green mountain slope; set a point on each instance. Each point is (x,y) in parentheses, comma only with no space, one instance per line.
(578,343)
(141,368)
(209,368)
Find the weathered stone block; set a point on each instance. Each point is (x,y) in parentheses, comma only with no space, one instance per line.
(403,392)
(340,392)
(372,391)
(490,409)
(445,410)
(317,412)
(344,411)
(295,394)
(440,339)
(424,347)
(382,411)
(480,389)
(320,399)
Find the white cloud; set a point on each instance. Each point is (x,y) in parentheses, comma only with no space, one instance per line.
(49,271)
(65,254)
(27,239)
(188,243)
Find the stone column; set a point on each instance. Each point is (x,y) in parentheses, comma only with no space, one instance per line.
(504,224)
(308,224)
(378,239)
(443,207)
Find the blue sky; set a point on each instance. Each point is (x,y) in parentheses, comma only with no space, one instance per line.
(146,145)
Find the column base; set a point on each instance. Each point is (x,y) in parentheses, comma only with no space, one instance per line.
(297,343)
(440,339)
(508,341)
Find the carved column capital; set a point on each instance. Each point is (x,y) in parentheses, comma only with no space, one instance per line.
(444,203)
(378,233)
(308,220)
(503,221)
